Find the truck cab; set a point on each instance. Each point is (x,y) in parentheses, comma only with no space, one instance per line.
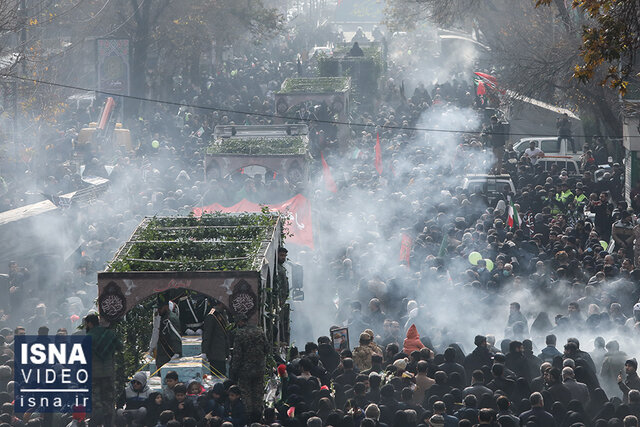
(491,187)
(550,146)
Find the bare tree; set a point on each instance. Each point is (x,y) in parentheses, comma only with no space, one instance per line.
(534,50)
(10,26)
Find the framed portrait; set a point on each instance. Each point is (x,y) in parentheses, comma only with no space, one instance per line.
(340,338)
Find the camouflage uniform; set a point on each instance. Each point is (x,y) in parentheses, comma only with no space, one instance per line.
(281,285)
(248,364)
(282,290)
(104,343)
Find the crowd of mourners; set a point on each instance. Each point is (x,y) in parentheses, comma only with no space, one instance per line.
(539,332)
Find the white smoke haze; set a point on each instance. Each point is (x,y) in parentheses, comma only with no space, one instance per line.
(358,230)
(368,222)
(423,57)
(364,225)
(137,188)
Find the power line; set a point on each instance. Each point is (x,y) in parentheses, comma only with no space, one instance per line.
(275,116)
(96,14)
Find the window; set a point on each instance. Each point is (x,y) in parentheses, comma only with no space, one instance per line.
(492,187)
(550,146)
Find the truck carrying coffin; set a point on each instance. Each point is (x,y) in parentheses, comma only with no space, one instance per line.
(229,257)
(283,149)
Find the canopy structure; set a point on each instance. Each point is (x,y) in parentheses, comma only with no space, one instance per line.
(306,92)
(283,149)
(229,257)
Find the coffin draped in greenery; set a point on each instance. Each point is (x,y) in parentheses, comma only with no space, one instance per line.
(295,85)
(259,146)
(207,243)
(213,242)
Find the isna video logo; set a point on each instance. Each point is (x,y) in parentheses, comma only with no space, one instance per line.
(52,373)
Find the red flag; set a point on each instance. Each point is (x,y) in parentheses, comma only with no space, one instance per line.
(493,82)
(405,248)
(297,209)
(106,112)
(326,174)
(481,89)
(378,155)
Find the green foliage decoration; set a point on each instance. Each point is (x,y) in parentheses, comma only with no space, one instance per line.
(315,85)
(135,332)
(213,242)
(259,146)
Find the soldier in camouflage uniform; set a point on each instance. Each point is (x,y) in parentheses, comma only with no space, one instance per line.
(104,343)
(281,280)
(248,362)
(282,291)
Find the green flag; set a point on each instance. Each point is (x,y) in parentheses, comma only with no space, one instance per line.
(443,245)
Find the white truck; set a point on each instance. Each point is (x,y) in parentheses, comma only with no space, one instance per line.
(550,146)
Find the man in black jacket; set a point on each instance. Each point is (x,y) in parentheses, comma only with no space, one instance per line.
(537,414)
(579,354)
(328,356)
(539,383)
(479,357)
(450,366)
(632,382)
(495,136)
(515,360)
(558,391)
(169,344)
(499,382)
(348,377)
(477,387)
(215,341)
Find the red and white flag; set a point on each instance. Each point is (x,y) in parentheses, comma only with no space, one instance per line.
(326,174)
(378,155)
(405,248)
(513,220)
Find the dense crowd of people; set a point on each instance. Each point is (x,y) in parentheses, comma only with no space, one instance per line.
(538,331)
